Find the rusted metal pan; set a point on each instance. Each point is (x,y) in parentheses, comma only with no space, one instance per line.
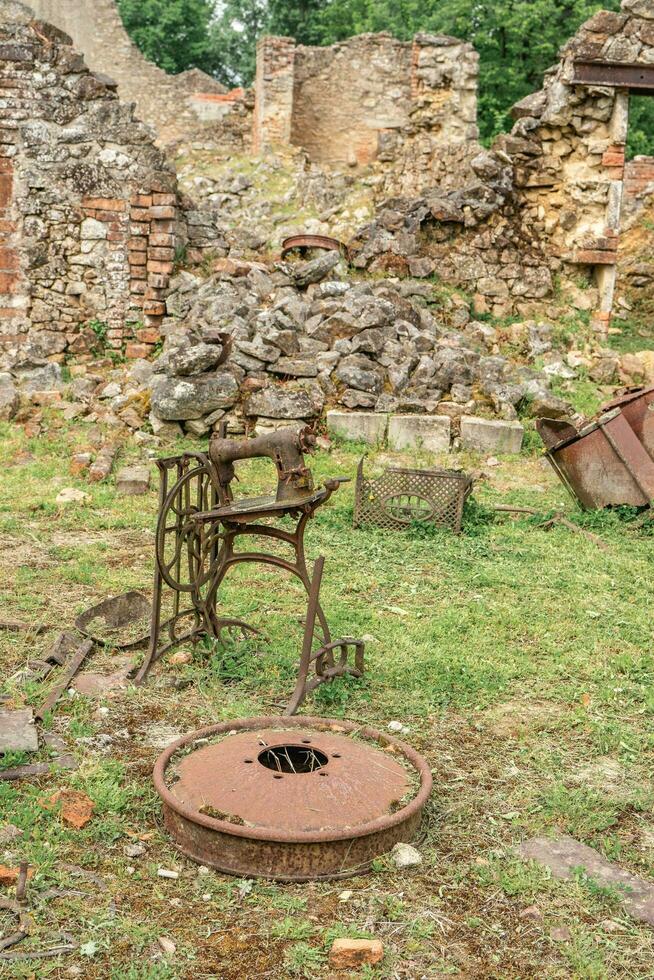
(614,74)
(314,241)
(291,799)
(637,406)
(603,464)
(121,622)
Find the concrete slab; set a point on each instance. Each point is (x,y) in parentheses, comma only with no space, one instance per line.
(491,435)
(563,854)
(17,731)
(431,432)
(368,427)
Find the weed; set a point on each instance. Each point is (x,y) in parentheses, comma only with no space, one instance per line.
(302,960)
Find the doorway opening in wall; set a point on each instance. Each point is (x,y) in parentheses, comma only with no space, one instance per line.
(633,308)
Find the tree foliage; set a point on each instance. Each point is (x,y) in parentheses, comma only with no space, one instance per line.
(517,40)
(175,34)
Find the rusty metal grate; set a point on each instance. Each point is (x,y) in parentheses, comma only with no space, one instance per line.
(399,497)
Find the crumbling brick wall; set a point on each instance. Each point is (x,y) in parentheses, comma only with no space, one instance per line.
(411,107)
(89,204)
(164,101)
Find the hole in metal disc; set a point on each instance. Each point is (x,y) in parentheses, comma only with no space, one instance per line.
(306,741)
(336,755)
(292,759)
(277,777)
(248,760)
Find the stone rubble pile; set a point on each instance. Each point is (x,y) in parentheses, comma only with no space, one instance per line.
(304,338)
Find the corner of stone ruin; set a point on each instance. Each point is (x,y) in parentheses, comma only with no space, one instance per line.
(143,214)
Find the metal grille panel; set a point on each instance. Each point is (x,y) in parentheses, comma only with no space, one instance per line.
(399,497)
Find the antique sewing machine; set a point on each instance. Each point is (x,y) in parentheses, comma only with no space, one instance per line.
(199,525)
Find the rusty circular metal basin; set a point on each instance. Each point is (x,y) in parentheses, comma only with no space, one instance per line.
(303,242)
(291,799)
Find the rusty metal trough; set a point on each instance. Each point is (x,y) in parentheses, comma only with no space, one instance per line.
(602,464)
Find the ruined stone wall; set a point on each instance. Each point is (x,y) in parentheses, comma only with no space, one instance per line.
(163,101)
(89,205)
(411,107)
(546,201)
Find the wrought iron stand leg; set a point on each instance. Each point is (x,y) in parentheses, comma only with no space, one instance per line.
(307,646)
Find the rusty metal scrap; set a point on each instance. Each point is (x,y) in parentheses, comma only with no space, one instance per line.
(400,497)
(70,670)
(114,621)
(607,462)
(614,74)
(199,526)
(304,242)
(291,799)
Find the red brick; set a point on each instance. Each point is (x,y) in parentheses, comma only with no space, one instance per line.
(164,199)
(590,256)
(163,212)
(159,240)
(104,203)
(136,300)
(8,282)
(155,292)
(138,286)
(152,321)
(6,189)
(161,227)
(8,260)
(6,227)
(140,214)
(154,308)
(138,245)
(148,335)
(348,954)
(158,281)
(106,215)
(139,229)
(141,200)
(161,254)
(133,350)
(165,268)
(137,258)
(614,173)
(6,165)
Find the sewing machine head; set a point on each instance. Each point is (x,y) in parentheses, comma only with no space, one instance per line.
(285,447)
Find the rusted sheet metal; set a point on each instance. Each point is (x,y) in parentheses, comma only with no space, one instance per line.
(604,464)
(637,406)
(314,241)
(291,799)
(121,622)
(614,74)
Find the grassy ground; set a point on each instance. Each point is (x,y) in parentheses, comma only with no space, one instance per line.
(520,659)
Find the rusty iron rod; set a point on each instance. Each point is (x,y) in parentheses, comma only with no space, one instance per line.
(76,662)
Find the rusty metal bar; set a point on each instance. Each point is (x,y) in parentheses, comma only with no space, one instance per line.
(614,74)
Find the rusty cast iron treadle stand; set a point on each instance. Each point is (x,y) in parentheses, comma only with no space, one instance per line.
(198,527)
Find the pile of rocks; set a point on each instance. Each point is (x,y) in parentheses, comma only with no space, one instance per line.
(303,337)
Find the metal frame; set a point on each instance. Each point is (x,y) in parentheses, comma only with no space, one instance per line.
(195,547)
(444,493)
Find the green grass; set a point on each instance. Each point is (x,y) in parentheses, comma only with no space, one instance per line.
(520,659)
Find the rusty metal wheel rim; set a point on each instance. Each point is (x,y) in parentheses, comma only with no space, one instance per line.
(401,816)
